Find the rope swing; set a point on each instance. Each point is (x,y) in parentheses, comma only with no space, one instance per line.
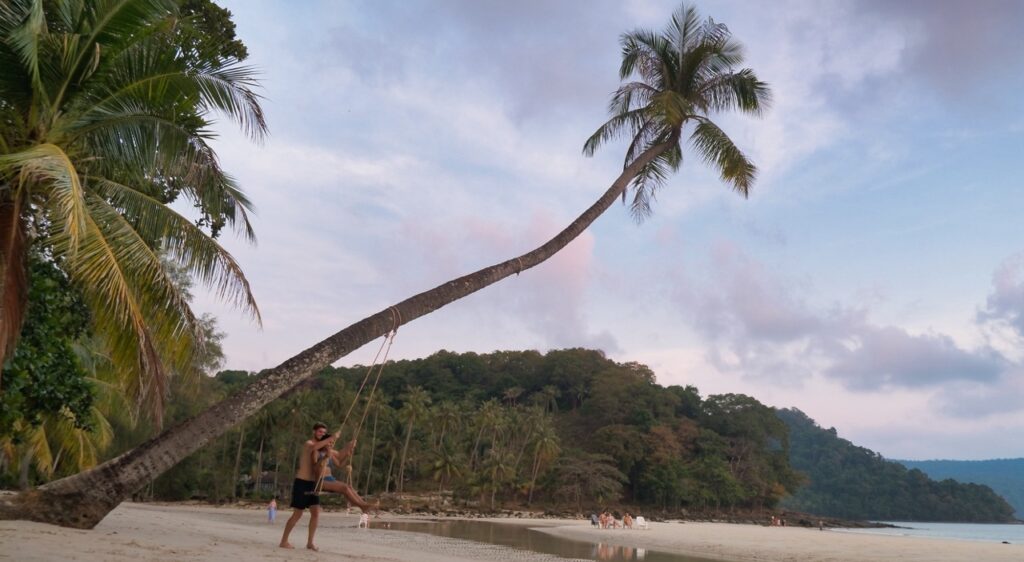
(385,347)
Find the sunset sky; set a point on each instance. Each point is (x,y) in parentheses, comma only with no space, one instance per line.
(874,279)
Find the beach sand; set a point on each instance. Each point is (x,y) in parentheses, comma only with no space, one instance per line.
(726,541)
(144,532)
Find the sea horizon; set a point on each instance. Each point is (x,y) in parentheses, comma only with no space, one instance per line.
(1012,533)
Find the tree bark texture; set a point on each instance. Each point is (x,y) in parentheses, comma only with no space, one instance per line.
(13,277)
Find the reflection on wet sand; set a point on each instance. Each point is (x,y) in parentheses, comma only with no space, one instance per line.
(605,551)
(529,538)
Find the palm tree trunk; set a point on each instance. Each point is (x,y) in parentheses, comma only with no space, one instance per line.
(405,451)
(24,468)
(238,464)
(533,479)
(258,471)
(476,447)
(84,499)
(13,275)
(373,451)
(391,464)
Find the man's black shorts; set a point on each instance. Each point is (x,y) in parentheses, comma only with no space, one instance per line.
(302,496)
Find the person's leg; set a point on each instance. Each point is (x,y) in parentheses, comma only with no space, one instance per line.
(349,493)
(296,515)
(314,518)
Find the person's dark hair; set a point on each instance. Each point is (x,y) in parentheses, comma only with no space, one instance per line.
(318,425)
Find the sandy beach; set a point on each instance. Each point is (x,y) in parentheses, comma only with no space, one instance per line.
(140,532)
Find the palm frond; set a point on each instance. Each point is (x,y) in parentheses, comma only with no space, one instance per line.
(718,150)
(683,28)
(641,54)
(47,168)
(26,38)
(631,96)
(736,90)
(184,243)
(146,320)
(148,148)
(617,126)
(106,23)
(230,89)
(151,75)
(42,456)
(653,175)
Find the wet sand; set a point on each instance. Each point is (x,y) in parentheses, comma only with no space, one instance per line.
(725,541)
(143,532)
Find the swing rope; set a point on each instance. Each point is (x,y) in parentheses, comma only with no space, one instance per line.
(385,346)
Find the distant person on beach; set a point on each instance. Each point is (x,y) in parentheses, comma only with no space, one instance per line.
(272,510)
(304,485)
(627,521)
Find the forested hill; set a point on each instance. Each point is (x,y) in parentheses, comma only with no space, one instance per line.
(1005,476)
(567,429)
(848,481)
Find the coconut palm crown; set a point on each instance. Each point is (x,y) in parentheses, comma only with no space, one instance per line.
(680,77)
(103,122)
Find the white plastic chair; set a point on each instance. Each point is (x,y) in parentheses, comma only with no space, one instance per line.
(641,523)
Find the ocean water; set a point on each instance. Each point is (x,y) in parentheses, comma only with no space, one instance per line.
(962,531)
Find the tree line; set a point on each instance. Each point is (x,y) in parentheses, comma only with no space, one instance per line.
(568,428)
(1005,476)
(848,481)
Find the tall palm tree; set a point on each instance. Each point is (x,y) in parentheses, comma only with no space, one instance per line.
(547,397)
(500,469)
(685,76)
(545,447)
(447,464)
(103,120)
(512,394)
(416,401)
(487,417)
(449,416)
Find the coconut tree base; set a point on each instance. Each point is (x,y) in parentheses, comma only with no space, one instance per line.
(76,510)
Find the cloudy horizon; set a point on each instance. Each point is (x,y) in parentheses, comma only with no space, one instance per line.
(874,279)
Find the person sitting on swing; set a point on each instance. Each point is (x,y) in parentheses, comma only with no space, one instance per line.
(326,458)
(304,487)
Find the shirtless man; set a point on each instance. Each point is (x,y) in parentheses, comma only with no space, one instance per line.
(305,484)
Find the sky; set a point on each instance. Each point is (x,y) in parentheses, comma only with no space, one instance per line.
(874,278)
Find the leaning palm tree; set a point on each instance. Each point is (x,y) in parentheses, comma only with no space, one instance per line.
(103,121)
(685,75)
